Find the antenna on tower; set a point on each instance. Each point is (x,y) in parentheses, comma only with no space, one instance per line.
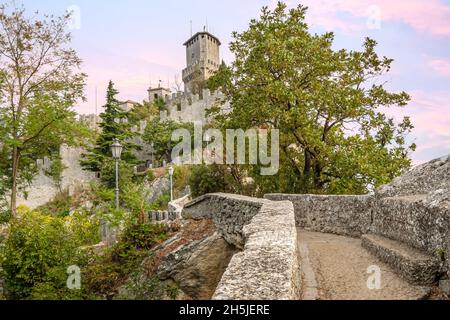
(207,24)
(191,28)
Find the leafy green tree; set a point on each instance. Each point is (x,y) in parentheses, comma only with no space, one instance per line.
(159,134)
(39,83)
(327,104)
(115,124)
(39,250)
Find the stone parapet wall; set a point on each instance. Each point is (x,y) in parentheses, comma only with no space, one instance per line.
(267,266)
(422,222)
(230,213)
(342,215)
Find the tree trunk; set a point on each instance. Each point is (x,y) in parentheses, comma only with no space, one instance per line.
(307,168)
(15,171)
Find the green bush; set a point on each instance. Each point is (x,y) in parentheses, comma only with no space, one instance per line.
(148,288)
(40,248)
(111,271)
(59,206)
(5,216)
(207,179)
(161,203)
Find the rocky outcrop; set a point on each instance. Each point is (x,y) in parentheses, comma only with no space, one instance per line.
(266,267)
(198,266)
(157,188)
(429,177)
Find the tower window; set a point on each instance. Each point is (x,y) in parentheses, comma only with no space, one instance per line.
(156,96)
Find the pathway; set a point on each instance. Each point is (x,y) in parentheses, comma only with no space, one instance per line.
(335,268)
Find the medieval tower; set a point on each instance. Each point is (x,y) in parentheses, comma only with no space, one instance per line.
(202,60)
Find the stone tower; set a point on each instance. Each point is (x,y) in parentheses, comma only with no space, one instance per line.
(202,60)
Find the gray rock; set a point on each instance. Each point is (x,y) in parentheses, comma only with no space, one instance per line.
(157,188)
(268,267)
(444,285)
(228,212)
(198,266)
(429,177)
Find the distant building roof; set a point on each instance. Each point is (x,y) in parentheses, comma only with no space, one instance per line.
(158,88)
(128,101)
(202,33)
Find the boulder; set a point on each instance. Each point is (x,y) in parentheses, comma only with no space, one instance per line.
(423,179)
(198,266)
(157,188)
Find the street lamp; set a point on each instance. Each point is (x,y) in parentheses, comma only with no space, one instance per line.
(116,150)
(171,182)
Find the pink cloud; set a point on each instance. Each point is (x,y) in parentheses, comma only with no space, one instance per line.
(441,66)
(429,113)
(430,17)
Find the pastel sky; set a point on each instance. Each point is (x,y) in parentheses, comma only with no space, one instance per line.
(138,42)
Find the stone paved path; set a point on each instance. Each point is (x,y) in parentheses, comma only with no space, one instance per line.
(335,268)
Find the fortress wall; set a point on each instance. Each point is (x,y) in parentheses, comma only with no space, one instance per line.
(43,189)
(267,267)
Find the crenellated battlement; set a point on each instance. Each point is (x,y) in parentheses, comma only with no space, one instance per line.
(188,107)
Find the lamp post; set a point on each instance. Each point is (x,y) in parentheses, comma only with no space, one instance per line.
(171,182)
(116,150)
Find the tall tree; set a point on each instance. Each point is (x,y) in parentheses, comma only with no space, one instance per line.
(327,104)
(40,83)
(116,124)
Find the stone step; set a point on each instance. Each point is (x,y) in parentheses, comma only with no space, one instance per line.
(416,266)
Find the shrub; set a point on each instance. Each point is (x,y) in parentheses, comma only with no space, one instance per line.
(5,216)
(161,203)
(206,179)
(140,287)
(111,271)
(60,205)
(40,248)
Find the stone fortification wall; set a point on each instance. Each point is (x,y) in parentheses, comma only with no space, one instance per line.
(267,265)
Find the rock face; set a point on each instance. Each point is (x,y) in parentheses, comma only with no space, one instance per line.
(157,188)
(198,267)
(426,178)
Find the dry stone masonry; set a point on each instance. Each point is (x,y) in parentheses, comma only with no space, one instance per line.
(405,224)
(267,265)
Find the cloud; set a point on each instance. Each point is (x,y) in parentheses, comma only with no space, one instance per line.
(428,112)
(441,65)
(429,17)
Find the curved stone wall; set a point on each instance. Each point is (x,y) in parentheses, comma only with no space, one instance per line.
(343,215)
(267,266)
